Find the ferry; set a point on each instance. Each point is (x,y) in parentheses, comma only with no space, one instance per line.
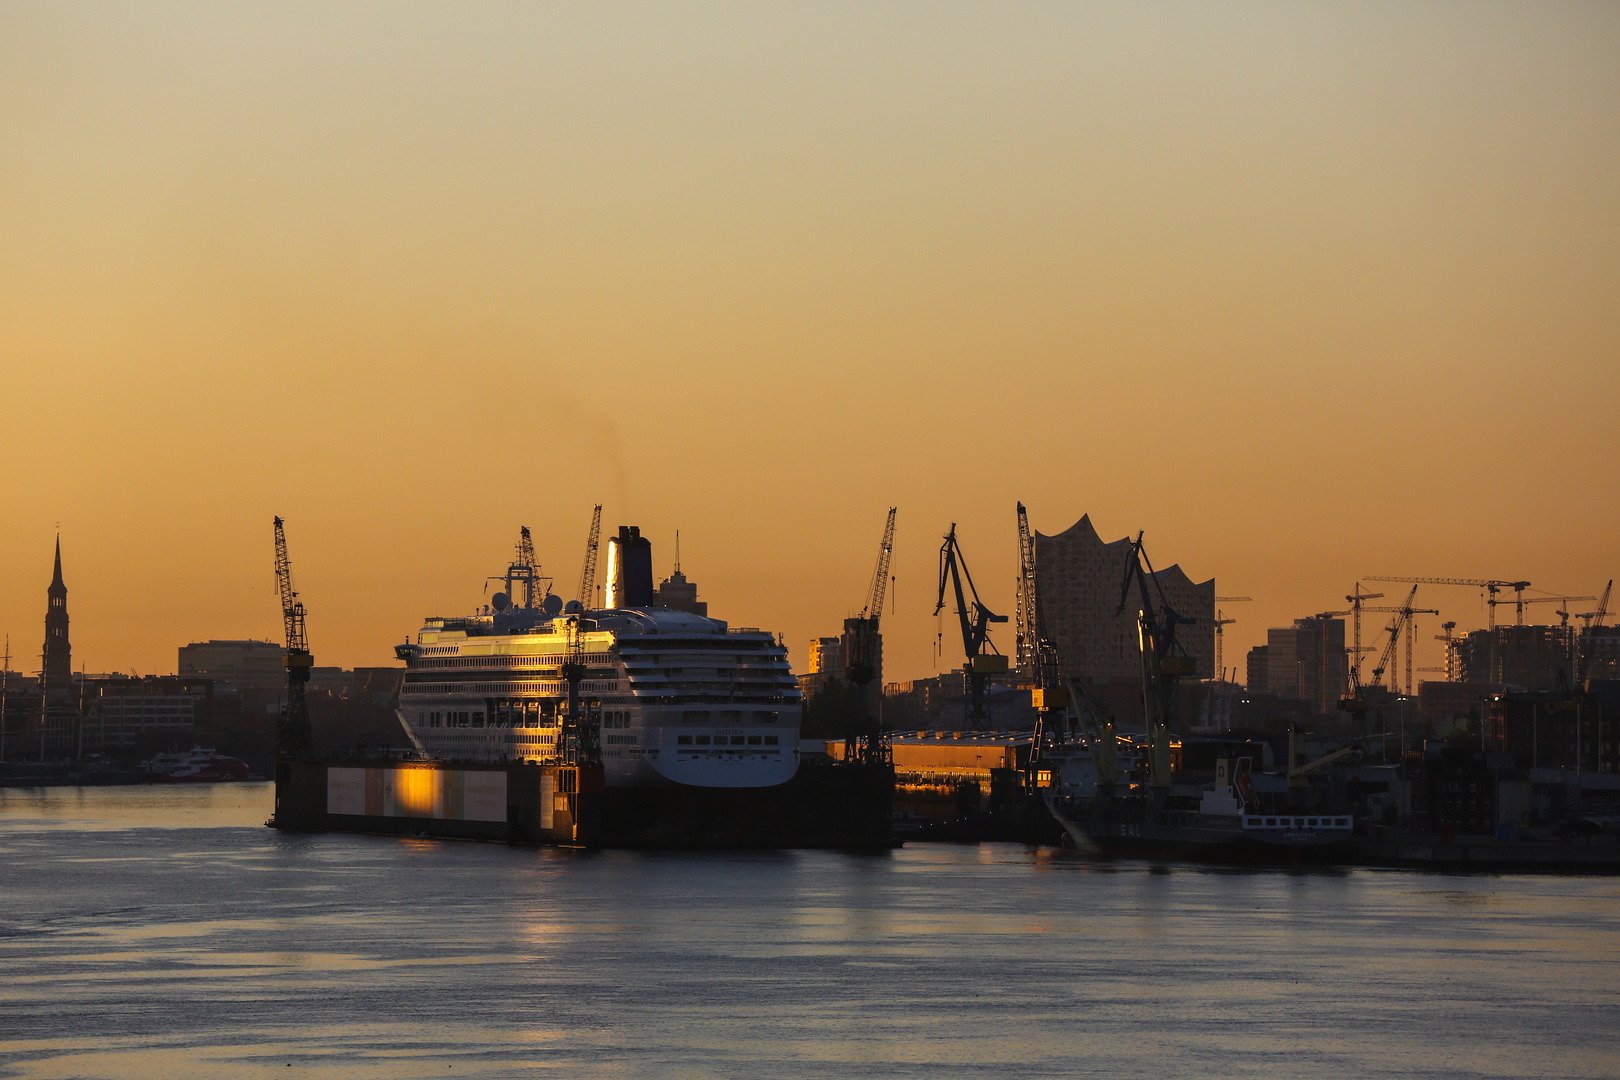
(199,765)
(657,696)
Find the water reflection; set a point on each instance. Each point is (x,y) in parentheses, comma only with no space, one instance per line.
(138,939)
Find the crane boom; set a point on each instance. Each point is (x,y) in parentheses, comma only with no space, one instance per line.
(880,576)
(587,575)
(974,619)
(1492,586)
(292,733)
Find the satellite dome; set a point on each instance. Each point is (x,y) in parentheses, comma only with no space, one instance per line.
(500,601)
(552,604)
(573,607)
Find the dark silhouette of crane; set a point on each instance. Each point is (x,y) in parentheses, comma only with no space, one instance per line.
(864,740)
(1164,661)
(292,732)
(587,574)
(975,620)
(1491,587)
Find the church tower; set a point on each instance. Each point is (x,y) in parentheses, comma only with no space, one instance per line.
(58,667)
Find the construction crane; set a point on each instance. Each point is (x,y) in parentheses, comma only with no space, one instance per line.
(1491,587)
(1356,599)
(1591,619)
(1595,618)
(1221,622)
(1036,655)
(1523,600)
(1163,661)
(864,741)
(292,733)
(1401,622)
(587,575)
(975,620)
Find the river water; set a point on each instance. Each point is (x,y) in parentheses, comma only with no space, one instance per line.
(164,932)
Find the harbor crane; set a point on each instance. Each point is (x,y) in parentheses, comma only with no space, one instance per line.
(526,569)
(292,733)
(864,740)
(1491,587)
(975,620)
(1037,656)
(1164,660)
(587,575)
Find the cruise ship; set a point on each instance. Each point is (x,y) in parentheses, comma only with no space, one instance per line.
(655,695)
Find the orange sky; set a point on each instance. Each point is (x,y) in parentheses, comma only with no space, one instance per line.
(1305,291)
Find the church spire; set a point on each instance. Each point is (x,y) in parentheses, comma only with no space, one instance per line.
(58,653)
(56,579)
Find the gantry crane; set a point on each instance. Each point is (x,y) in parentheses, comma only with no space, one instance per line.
(864,740)
(1163,660)
(587,574)
(975,620)
(292,733)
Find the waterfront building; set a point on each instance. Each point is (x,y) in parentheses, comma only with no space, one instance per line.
(1080,578)
(249,667)
(124,712)
(1259,670)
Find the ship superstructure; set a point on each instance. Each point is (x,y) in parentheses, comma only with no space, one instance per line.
(656,695)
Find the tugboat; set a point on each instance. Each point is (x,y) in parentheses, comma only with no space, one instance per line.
(199,765)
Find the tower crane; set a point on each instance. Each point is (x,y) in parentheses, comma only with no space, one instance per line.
(1595,618)
(1401,623)
(1523,600)
(975,620)
(587,574)
(864,739)
(1164,661)
(1591,619)
(1491,587)
(292,733)
(1356,598)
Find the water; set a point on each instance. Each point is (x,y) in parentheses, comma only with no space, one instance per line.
(157,932)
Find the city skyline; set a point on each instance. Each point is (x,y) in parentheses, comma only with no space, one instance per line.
(1305,293)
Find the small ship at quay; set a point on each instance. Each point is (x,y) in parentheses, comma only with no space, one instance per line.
(542,721)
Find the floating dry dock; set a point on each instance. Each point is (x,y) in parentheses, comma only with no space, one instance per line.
(824,805)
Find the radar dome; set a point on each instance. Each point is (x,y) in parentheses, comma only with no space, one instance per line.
(573,607)
(500,601)
(552,604)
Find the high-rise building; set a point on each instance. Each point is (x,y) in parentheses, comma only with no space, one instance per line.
(1259,673)
(678,593)
(1307,662)
(1081,578)
(1531,657)
(826,657)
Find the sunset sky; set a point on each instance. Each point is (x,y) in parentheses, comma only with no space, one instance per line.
(1306,291)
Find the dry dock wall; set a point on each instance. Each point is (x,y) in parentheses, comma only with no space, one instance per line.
(822,806)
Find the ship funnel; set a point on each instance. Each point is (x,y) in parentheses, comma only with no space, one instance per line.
(629,572)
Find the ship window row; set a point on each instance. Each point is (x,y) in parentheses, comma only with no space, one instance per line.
(727,716)
(616,718)
(722,740)
(1297,823)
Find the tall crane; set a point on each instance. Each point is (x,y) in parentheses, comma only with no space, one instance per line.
(1356,598)
(526,569)
(292,733)
(975,620)
(1491,587)
(1401,624)
(587,574)
(1221,622)
(1591,619)
(1595,618)
(864,739)
(1036,656)
(1523,600)
(1163,661)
